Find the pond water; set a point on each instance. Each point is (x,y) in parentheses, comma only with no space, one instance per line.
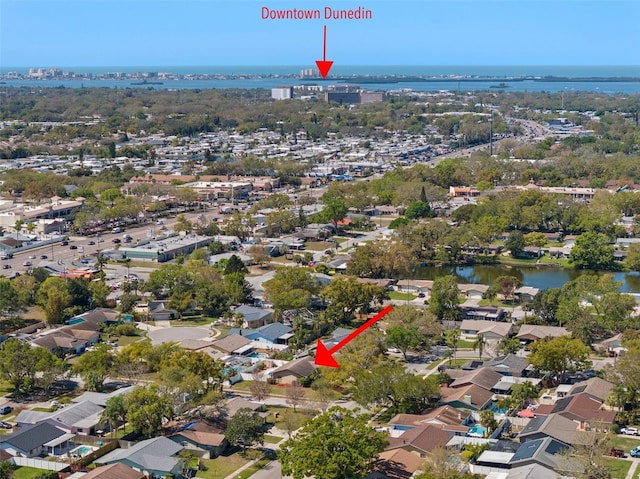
(541,277)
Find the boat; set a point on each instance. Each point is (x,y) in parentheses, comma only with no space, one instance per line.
(499,85)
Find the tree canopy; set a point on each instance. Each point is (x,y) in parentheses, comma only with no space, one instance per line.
(338,444)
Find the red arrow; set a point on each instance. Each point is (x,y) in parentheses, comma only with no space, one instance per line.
(324,356)
(323,65)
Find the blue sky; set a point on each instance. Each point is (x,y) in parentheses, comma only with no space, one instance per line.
(216,32)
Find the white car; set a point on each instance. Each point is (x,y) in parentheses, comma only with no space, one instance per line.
(27,263)
(631,431)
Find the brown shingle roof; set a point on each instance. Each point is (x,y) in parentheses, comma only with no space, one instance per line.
(583,407)
(424,439)
(116,470)
(534,332)
(230,343)
(398,463)
(596,387)
(203,438)
(483,377)
(479,396)
(300,367)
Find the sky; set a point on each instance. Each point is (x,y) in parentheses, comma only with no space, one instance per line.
(54,33)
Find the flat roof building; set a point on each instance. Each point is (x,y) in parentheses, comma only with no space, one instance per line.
(165,249)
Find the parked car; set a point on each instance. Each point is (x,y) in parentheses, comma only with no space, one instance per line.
(635,452)
(5,410)
(631,431)
(616,452)
(5,425)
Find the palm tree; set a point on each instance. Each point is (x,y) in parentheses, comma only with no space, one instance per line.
(452,336)
(479,344)
(18,225)
(30,227)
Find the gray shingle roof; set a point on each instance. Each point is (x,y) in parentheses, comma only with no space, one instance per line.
(72,415)
(32,437)
(250,313)
(152,454)
(270,331)
(508,363)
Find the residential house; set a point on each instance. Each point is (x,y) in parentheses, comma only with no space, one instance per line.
(253,317)
(158,311)
(541,457)
(421,440)
(235,404)
(116,470)
(81,418)
(233,344)
(59,341)
(595,387)
(101,398)
(526,294)
(490,330)
(294,370)
(35,440)
(395,464)
(555,426)
(488,313)
(506,383)
(534,332)
(509,365)
(581,408)
(483,377)
(473,291)
(447,418)
(270,336)
(156,456)
(470,397)
(207,445)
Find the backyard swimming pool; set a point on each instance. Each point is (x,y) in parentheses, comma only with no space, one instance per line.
(477,431)
(82,451)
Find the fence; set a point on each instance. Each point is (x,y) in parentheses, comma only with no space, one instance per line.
(89,458)
(39,464)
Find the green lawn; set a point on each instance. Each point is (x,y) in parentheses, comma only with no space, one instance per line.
(617,467)
(27,473)
(462,344)
(245,386)
(296,418)
(624,443)
(6,388)
(222,466)
(191,321)
(272,439)
(127,340)
(402,296)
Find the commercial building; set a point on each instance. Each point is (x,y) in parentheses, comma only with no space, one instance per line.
(166,248)
(282,93)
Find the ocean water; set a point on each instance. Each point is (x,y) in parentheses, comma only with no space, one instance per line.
(272,76)
(479,70)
